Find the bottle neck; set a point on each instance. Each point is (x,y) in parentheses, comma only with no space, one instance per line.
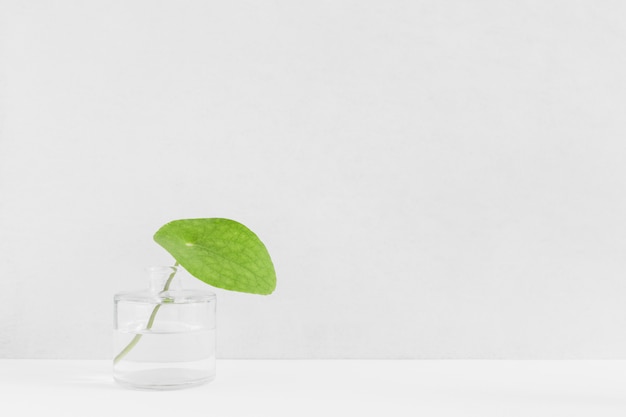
(163,278)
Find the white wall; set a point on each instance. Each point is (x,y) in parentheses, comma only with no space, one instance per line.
(433,179)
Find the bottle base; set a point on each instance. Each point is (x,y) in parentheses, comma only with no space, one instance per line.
(163,379)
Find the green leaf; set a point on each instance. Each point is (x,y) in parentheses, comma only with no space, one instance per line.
(221,252)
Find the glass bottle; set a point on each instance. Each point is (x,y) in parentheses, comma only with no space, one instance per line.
(165,335)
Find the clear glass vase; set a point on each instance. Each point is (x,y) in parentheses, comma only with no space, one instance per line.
(165,335)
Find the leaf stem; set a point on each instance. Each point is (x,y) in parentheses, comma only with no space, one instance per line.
(137,337)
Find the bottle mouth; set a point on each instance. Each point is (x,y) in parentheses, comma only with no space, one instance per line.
(163,278)
(161,269)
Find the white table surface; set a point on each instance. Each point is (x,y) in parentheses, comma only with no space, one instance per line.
(326,388)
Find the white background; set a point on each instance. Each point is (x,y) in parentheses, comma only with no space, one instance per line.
(433,179)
